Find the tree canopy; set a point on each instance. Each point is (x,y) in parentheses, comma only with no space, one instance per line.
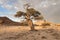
(36,14)
(19,14)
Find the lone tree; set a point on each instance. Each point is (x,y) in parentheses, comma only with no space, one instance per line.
(29,12)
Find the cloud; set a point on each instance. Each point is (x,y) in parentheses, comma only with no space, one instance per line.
(7,4)
(9,7)
(18,4)
(47,7)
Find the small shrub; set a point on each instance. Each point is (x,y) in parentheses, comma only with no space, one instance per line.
(45,24)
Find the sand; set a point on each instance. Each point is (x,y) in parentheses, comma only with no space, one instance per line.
(11,31)
(24,33)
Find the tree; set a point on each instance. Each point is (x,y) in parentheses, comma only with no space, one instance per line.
(29,12)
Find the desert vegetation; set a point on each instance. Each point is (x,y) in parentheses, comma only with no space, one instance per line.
(29,12)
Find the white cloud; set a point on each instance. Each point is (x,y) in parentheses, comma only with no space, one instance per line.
(18,4)
(9,7)
(54,3)
(1,2)
(46,6)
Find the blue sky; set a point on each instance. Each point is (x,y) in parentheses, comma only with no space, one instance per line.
(48,8)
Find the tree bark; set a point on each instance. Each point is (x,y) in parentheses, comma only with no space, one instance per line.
(30,23)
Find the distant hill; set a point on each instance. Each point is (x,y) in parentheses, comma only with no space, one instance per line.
(7,21)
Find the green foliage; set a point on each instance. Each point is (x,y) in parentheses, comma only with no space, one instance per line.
(19,14)
(36,14)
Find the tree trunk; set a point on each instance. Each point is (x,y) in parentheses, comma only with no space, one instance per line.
(30,23)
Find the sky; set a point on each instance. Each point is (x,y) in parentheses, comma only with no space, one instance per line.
(50,9)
